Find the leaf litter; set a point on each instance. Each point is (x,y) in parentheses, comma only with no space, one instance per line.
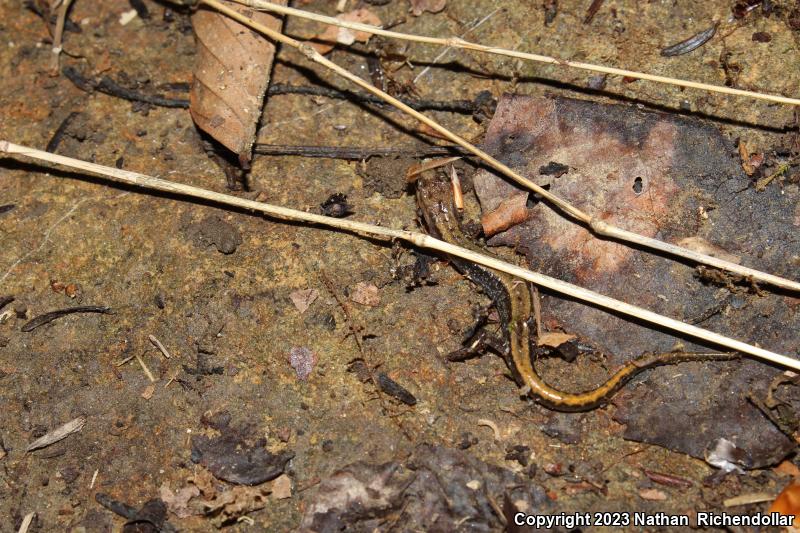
(231,74)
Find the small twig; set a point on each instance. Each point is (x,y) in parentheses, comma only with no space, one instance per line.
(415,170)
(46,318)
(55,140)
(157,344)
(598,226)
(144,367)
(58,36)
(460,43)
(417,239)
(110,87)
(592,11)
(355,153)
(124,361)
(26,522)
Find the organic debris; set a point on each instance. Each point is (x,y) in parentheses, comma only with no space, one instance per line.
(151,518)
(508,213)
(231,75)
(554,339)
(366,294)
(178,502)
(302,360)
(418,7)
(226,506)
(46,318)
(303,298)
(333,35)
(237,455)
(60,433)
(692,43)
(336,206)
(213,231)
(436,489)
(395,390)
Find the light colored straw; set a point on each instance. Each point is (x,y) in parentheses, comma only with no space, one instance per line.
(598,227)
(457,42)
(417,239)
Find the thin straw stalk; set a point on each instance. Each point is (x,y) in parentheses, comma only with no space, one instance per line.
(417,239)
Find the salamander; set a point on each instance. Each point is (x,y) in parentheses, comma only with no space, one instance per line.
(512,299)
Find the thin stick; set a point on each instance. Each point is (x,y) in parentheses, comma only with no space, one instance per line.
(26,522)
(597,226)
(58,36)
(457,42)
(157,344)
(146,370)
(417,239)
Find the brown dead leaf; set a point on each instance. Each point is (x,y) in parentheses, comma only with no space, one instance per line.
(554,339)
(282,487)
(510,212)
(231,74)
(334,34)
(178,501)
(654,495)
(303,298)
(418,7)
(365,294)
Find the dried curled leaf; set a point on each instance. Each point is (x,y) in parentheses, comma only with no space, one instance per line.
(334,34)
(231,74)
(554,339)
(510,212)
(418,7)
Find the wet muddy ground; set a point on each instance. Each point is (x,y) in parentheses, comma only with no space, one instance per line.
(264,320)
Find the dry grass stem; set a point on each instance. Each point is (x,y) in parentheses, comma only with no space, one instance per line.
(457,42)
(597,226)
(417,239)
(146,370)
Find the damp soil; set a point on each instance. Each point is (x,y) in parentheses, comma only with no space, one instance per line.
(219,287)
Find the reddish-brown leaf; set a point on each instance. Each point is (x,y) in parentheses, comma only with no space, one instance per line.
(334,34)
(231,74)
(418,7)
